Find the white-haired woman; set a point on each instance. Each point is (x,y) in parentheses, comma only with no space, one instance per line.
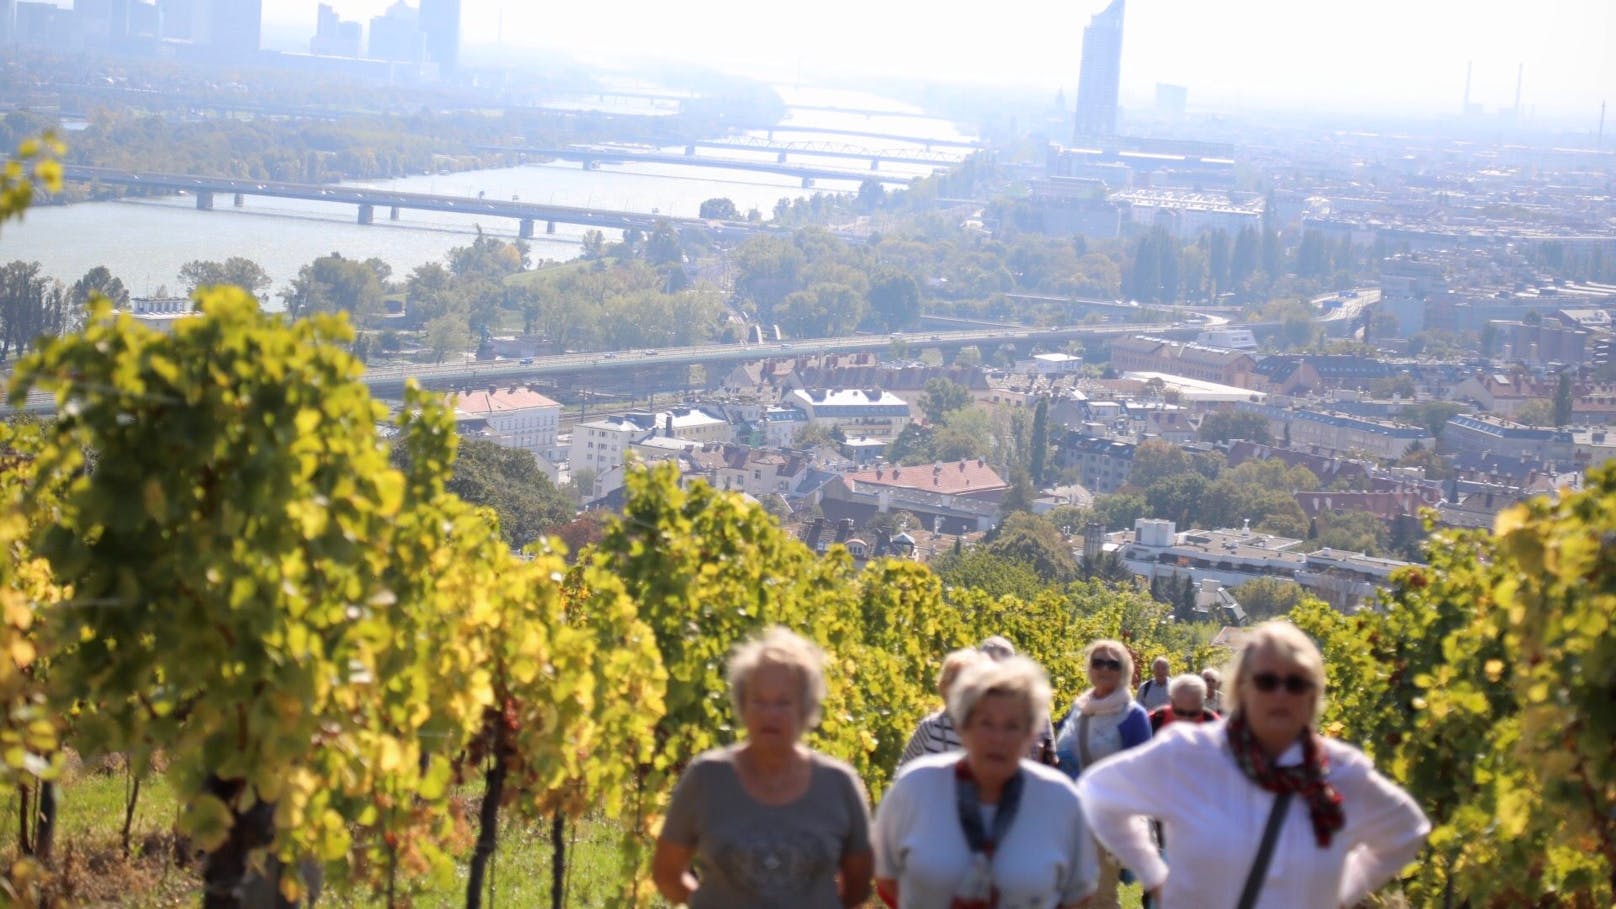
(1186,703)
(935,734)
(768,822)
(988,828)
(1103,721)
(1259,810)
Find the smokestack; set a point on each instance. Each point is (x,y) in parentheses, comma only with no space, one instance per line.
(1469,68)
(1599,142)
(1520,76)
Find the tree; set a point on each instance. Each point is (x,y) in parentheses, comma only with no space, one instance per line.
(334,284)
(719,209)
(943,396)
(99,280)
(1176,498)
(1433,415)
(509,481)
(894,300)
(1354,531)
(1562,400)
(1536,412)
(1155,460)
(447,334)
(236,271)
(663,247)
(593,244)
(1266,598)
(1120,510)
(31,305)
(1033,541)
(1227,425)
(1039,456)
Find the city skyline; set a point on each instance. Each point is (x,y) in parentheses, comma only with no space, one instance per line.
(1377,55)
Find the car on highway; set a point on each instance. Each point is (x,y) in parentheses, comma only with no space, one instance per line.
(527,361)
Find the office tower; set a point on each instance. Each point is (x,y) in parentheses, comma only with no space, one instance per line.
(396,35)
(440,20)
(8,21)
(102,23)
(334,36)
(1101,75)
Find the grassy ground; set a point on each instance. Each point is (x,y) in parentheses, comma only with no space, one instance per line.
(91,870)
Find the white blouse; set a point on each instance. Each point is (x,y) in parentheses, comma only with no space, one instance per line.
(1047,858)
(1213,818)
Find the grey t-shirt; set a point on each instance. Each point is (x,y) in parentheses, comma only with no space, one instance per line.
(755,856)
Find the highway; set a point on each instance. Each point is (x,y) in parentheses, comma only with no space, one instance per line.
(389,380)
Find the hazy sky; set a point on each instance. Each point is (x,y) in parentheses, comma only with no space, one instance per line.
(1392,54)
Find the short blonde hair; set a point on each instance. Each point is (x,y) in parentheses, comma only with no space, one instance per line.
(953,665)
(1288,641)
(1212,677)
(780,646)
(1123,654)
(1014,676)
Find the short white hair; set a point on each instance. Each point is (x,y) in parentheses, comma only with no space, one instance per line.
(1016,676)
(997,647)
(954,664)
(780,646)
(1189,681)
(1212,676)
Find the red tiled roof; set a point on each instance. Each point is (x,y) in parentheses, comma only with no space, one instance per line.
(946,478)
(500,400)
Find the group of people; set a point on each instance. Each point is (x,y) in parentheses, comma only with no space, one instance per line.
(995,805)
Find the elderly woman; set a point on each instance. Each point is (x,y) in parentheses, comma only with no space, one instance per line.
(1103,721)
(935,734)
(1214,689)
(988,828)
(1259,791)
(1186,703)
(768,822)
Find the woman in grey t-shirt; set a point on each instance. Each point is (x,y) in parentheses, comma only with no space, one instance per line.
(768,822)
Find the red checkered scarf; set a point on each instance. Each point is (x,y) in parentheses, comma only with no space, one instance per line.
(1307,779)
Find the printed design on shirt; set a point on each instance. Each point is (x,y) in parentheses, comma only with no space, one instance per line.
(773,862)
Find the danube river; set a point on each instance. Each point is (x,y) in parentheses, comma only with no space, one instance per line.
(145,242)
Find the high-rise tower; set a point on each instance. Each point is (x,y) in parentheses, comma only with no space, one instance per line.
(1101,76)
(440,20)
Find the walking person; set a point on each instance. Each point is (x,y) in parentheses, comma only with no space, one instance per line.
(768,822)
(1104,721)
(1153,693)
(1259,810)
(935,734)
(987,828)
(1186,703)
(1214,689)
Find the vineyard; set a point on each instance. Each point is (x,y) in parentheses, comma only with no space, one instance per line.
(210,557)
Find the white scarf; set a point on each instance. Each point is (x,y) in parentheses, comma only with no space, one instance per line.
(1115,702)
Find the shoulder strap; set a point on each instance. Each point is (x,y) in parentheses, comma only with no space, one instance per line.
(1265,852)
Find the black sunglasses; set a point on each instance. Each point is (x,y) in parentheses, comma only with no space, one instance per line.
(1294,684)
(1103,663)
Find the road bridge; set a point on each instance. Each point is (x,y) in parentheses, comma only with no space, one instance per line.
(827,150)
(923,141)
(599,368)
(631,367)
(367,200)
(591,157)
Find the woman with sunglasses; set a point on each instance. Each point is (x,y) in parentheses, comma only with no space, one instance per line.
(1103,721)
(1259,810)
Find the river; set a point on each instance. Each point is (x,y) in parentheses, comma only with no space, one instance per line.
(144,242)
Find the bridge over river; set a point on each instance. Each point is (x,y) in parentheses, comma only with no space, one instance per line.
(593,156)
(368,200)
